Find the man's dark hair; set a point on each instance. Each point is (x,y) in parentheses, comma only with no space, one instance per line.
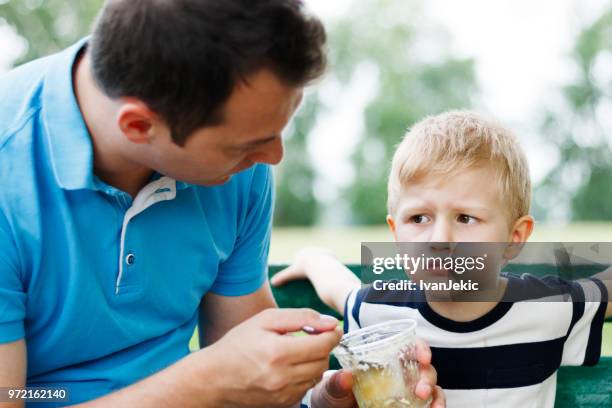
(183,58)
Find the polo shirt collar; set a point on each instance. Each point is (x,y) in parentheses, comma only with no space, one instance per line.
(67,136)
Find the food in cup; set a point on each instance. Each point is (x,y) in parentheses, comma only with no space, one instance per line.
(382,360)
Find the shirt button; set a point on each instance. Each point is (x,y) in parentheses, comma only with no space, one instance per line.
(130,259)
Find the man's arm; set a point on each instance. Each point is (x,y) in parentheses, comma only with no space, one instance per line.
(252,365)
(13,364)
(219,314)
(13,368)
(171,387)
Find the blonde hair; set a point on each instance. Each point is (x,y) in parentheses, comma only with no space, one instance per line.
(450,142)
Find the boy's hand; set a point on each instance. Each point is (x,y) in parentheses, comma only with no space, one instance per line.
(427,386)
(334,391)
(331,279)
(304,266)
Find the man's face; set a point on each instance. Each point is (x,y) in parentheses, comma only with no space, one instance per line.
(250,132)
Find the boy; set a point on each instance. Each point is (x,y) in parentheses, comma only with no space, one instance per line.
(458,177)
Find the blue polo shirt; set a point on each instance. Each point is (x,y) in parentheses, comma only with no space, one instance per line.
(105,288)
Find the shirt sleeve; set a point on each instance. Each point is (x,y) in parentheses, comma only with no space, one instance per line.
(246,268)
(352,307)
(12,295)
(583,341)
(306,403)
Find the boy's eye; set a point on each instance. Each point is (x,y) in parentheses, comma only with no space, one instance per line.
(466,219)
(419,219)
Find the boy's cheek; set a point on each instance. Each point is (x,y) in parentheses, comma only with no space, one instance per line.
(494,231)
(408,233)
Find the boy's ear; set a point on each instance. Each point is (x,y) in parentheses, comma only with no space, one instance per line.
(519,234)
(391,224)
(136,121)
(522,229)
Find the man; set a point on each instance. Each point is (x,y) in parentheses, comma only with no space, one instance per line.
(137,199)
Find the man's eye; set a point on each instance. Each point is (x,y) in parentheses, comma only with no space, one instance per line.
(466,219)
(239,150)
(419,219)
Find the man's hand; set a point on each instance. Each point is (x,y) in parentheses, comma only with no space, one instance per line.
(335,390)
(260,366)
(256,364)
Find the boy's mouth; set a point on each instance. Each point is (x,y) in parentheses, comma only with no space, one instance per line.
(435,269)
(437,272)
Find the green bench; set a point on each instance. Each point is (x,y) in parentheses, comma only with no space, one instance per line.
(577,387)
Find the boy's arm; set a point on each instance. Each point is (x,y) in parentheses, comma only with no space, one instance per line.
(331,279)
(606,278)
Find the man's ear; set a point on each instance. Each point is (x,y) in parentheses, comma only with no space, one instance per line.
(391,224)
(519,234)
(136,120)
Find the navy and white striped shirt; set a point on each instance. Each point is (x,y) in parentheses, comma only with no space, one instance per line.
(510,356)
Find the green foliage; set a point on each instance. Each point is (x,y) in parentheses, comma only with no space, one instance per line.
(582,176)
(49,25)
(592,200)
(295,200)
(417,76)
(387,36)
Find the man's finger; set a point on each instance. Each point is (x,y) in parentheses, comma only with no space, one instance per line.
(289,320)
(303,349)
(310,371)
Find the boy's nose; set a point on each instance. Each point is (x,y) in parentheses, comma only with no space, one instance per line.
(442,234)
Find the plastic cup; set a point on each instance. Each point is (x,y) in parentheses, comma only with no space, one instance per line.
(382,360)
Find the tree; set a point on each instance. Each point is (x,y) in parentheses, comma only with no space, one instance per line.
(417,76)
(582,132)
(296,203)
(48,25)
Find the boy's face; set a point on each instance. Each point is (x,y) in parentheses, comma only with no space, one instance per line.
(462,207)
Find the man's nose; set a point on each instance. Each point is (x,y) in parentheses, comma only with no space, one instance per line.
(270,153)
